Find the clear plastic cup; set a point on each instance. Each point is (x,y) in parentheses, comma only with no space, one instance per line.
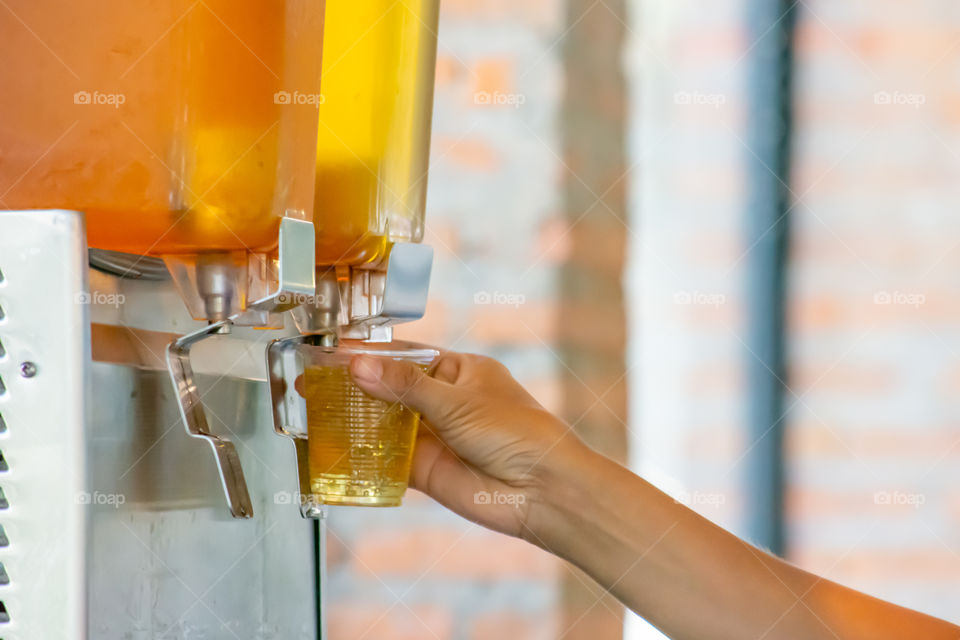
(359,448)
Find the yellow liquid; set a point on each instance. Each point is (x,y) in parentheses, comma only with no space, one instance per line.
(359,448)
(373,135)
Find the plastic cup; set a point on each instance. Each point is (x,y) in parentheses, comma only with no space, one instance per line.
(359,448)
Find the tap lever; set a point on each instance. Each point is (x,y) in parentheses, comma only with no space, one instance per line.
(195,418)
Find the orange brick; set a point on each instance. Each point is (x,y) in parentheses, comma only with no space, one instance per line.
(449,69)
(906,441)
(468,154)
(442,552)
(866,565)
(812,504)
(512,626)
(599,241)
(337,552)
(848,376)
(554,243)
(592,324)
(537,13)
(697,46)
(529,323)
(353,621)
(493,76)
(444,237)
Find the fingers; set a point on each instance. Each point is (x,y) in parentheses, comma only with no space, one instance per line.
(397,381)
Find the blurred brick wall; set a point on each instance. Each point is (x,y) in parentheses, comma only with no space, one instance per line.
(873,425)
(525,211)
(875,317)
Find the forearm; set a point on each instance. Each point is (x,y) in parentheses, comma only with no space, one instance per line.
(689,577)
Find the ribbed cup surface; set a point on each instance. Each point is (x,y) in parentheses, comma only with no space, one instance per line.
(360,447)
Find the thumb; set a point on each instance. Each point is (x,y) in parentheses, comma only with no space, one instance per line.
(398,381)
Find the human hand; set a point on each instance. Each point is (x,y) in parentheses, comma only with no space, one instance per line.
(486,449)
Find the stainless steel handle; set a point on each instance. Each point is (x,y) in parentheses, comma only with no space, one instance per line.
(195,419)
(292,425)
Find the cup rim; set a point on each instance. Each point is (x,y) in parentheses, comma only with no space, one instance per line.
(396,349)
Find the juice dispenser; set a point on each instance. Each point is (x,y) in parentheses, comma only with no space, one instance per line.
(171,172)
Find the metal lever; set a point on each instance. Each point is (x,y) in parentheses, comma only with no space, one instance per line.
(282,356)
(195,419)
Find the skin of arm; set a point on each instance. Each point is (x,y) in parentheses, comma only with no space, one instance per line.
(485,435)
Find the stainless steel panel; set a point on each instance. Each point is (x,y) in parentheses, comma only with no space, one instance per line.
(166,559)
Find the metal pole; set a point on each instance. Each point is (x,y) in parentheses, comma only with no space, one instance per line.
(771,25)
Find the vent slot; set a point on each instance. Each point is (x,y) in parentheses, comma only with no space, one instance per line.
(3,463)
(4,578)
(4,541)
(3,500)
(3,351)
(3,424)
(4,616)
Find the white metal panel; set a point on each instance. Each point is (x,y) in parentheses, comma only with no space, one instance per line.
(42,294)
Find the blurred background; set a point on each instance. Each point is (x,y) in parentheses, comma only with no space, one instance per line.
(720,240)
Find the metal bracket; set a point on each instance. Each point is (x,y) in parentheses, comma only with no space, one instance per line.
(296,273)
(375,300)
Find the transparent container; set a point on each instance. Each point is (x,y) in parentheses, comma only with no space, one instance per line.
(176,126)
(358,449)
(373,140)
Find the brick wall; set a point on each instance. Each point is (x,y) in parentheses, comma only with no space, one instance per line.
(525,211)
(874,313)
(872,428)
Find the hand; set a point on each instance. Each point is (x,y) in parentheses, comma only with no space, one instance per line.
(487,447)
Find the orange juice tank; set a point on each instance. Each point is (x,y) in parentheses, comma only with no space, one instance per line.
(373,138)
(164,122)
